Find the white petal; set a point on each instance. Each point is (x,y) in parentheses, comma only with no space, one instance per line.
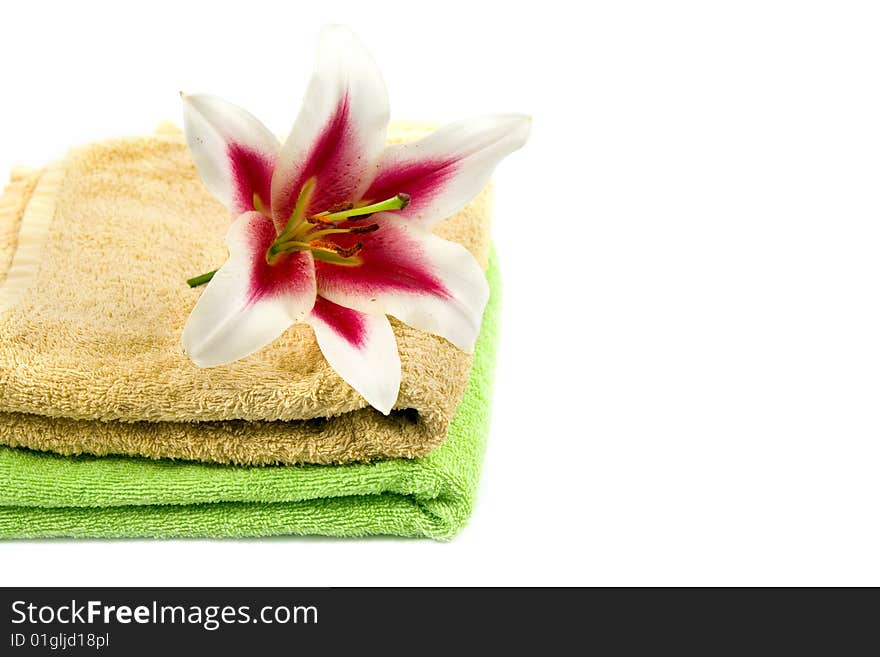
(248,303)
(449,167)
(362,349)
(340,131)
(234,153)
(423,280)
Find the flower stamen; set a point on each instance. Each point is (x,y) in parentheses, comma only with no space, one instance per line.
(354,230)
(318,222)
(339,207)
(336,248)
(334,254)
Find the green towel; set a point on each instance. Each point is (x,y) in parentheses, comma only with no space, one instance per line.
(48,495)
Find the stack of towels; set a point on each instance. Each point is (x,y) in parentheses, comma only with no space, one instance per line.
(107,429)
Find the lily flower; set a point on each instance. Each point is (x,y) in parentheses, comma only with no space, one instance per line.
(333,228)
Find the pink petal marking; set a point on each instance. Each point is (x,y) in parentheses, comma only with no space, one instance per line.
(444,171)
(290,273)
(421,179)
(391,261)
(251,174)
(346,323)
(335,161)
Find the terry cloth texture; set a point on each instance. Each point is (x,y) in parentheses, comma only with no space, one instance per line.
(48,495)
(94,254)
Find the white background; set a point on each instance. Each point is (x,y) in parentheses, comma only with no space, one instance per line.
(690,370)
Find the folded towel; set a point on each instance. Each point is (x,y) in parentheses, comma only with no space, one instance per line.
(94,254)
(46,495)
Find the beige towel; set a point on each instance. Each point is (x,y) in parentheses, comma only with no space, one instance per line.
(94,254)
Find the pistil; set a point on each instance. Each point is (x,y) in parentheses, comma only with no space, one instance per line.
(398,202)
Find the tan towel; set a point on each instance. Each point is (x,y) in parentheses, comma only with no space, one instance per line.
(94,254)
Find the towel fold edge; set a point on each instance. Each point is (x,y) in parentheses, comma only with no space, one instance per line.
(33,231)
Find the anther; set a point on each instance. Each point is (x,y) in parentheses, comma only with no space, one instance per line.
(339,207)
(338,250)
(360,230)
(317,221)
(350,251)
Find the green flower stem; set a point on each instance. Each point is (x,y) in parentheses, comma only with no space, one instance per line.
(201,280)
